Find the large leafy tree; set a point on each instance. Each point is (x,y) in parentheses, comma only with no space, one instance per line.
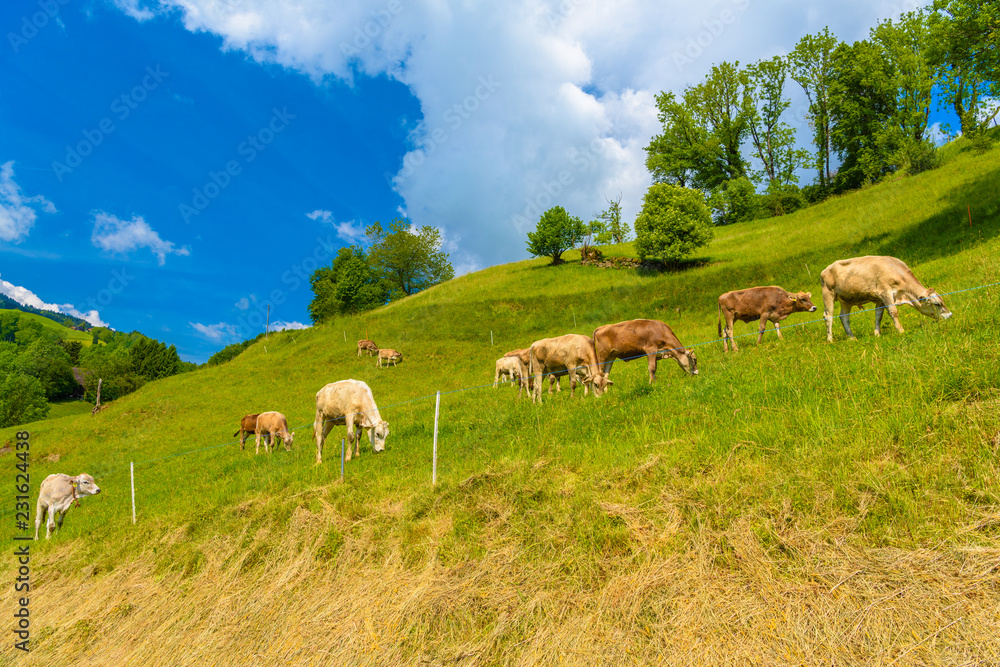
(811,66)
(673,223)
(556,232)
(406,259)
(349,285)
(905,46)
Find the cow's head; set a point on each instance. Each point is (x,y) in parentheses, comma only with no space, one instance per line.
(288,441)
(932,305)
(802,302)
(86,486)
(599,381)
(688,362)
(378,435)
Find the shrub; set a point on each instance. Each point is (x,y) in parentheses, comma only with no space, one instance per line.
(674,221)
(735,201)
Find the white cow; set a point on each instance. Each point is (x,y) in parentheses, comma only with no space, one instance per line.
(55,496)
(348,402)
(513,368)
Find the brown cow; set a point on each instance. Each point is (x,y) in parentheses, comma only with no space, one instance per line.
(273,425)
(636,338)
(766,304)
(365,344)
(885,281)
(388,355)
(248,425)
(572,353)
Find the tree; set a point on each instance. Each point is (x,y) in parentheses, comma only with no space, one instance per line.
(349,285)
(51,365)
(407,261)
(811,66)
(682,153)
(734,201)
(612,218)
(773,140)
(674,221)
(22,400)
(964,46)
(557,231)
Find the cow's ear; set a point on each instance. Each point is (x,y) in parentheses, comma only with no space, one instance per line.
(792,297)
(809,295)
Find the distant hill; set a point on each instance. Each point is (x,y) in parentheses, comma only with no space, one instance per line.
(66,320)
(64,332)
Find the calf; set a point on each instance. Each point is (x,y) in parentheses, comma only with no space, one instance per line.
(513,368)
(759,303)
(573,354)
(389,356)
(368,346)
(273,425)
(55,496)
(885,281)
(652,339)
(248,425)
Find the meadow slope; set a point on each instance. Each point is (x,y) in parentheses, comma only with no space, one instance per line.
(799,502)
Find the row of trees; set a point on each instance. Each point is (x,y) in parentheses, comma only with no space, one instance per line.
(868,107)
(37,366)
(400,260)
(558,231)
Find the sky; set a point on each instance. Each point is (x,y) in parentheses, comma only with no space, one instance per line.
(177,166)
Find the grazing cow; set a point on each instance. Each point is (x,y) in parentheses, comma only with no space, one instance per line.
(572,353)
(248,425)
(389,356)
(513,368)
(367,345)
(348,402)
(273,425)
(885,281)
(635,338)
(759,303)
(524,356)
(55,496)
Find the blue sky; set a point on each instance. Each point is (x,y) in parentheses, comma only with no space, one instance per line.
(172,166)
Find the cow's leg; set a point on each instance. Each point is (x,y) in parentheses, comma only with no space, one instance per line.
(829,301)
(51,523)
(496,377)
(890,304)
(729,332)
(760,329)
(350,436)
(59,518)
(777,330)
(324,429)
(257,451)
(40,511)
(359,433)
(651,366)
(845,318)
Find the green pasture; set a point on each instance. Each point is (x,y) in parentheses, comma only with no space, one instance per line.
(65,333)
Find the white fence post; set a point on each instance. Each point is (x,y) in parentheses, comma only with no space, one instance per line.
(437,411)
(491,337)
(131,470)
(341,459)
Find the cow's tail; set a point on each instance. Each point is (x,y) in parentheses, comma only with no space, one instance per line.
(237,433)
(719,324)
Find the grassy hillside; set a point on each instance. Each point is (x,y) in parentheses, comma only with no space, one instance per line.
(63,332)
(800,502)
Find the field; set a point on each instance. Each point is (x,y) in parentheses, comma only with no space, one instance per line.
(63,332)
(796,503)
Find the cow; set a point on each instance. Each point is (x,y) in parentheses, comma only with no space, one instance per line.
(885,281)
(523,355)
(348,402)
(389,356)
(766,304)
(636,338)
(367,345)
(273,425)
(248,425)
(572,353)
(513,368)
(56,494)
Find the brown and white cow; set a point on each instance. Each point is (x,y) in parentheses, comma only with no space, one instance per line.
(763,304)
(525,357)
(885,281)
(367,345)
(55,496)
(348,402)
(388,355)
(273,425)
(513,368)
(636,338)
(573,354)
(248,425)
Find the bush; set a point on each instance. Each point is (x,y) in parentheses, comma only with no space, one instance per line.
(674,221)
(782,201)
(557,231)
(735,201)
(916,156)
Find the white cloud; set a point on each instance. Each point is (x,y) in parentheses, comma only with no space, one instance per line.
(17,212)
(243,303)
(217,332)
(350,231)
(937,135)
(525,104)
(320,214)
(284,326)
(115,235)
(26,297)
